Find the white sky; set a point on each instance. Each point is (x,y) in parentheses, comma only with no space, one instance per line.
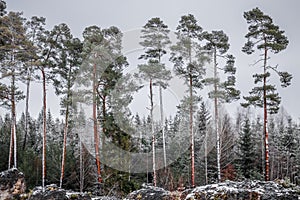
(130,15)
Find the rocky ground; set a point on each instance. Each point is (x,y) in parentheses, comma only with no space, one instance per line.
(12,186)
(228,190)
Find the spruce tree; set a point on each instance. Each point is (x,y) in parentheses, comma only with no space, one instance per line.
(246,150)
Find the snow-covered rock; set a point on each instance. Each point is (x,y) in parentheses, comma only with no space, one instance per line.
(52,192)
(12,184)
(149,193)
(245,190)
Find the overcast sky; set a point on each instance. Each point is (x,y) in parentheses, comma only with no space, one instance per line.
(226,15)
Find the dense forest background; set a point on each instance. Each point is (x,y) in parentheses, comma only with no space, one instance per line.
(221,146)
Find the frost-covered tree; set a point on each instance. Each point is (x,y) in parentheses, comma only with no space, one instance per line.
(246,150)
(64,76)
(155,39)
(267,38)
(13,56)
(155,35)
(189,60)
(223,91)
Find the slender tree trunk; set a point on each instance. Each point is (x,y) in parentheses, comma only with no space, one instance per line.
(27,108)
(205,157)
(81,166)
(96,137)
(64,154)
(162,125)
(217,117)
(63,160)
(11,146)
(266,119)
(13,137)
(192,132)
(153,134)
(44,129)
(13,129)
(13,119)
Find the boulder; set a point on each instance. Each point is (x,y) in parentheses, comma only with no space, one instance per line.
(246,190)
(12,184)
(228,190)
(149,193)
(52,192)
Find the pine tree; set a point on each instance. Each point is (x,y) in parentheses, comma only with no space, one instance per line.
(64,75)
(92,50)
(34,28)
(47,58)
(13,55)
(266,37)
(189,60)
(155,39)
(217,43)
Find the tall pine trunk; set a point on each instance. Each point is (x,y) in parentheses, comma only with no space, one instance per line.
(63,160)
(13,137)
(205,158)
(153,134)
(27,108)
(96,136)
(217,117)
(13,125)
(192,148)
(44,128)
(266,141)
(162,125)
(81,166)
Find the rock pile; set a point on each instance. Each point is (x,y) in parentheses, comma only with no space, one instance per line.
(52,192)
(245,190)
(12,184)
(228,190)
(149,193)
